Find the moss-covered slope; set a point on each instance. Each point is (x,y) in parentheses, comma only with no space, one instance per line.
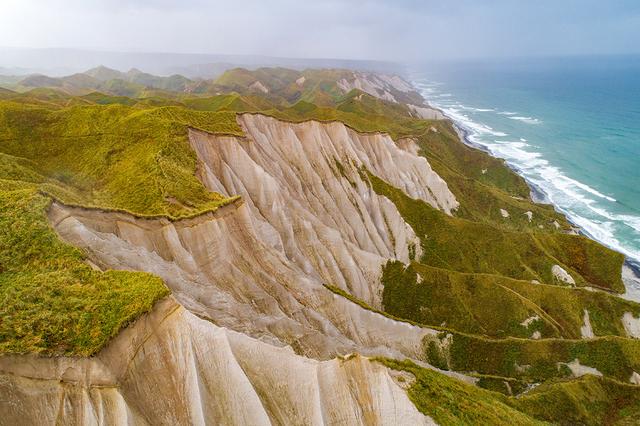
(467,246)
(585,401)
(497,306)
(115,156)
(52,302)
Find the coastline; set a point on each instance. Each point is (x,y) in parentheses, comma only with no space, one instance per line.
(631,267)
(537,194)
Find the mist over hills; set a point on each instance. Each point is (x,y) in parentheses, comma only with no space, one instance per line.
(60,62)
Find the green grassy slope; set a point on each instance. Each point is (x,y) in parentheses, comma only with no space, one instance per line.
(521,361)
(103,73)
(52,301)
(483,183)
(174,83)
(468,246)
(6,93)
(133,83)
(115,156)
(585,401)
(535,361)
(451,402)
(497,306)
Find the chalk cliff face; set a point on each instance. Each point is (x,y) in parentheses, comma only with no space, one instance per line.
(171,367)
(218,267)
(389,88)
(426,113)
(306,218)
(378,85)
(256,269)
(304,187)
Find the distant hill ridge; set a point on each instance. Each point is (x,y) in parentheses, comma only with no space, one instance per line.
(286,84)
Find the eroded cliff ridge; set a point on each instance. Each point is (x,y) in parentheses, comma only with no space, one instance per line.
(335,255)
(171,367)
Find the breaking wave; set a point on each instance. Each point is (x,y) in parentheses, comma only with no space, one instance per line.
(584,205)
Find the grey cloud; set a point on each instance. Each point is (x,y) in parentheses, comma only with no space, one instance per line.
(374,29)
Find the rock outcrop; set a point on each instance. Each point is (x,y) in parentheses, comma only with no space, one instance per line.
(258,86)
(579,370)
(586,331)
(426,113)
(562,275)
(631,325)
(307,194)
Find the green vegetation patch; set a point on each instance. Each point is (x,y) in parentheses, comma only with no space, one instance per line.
(451,402)
(526,360)
(588,400)
(466,246)
(540,360)
(471,303)
(497,306)
(114,156)
(483,184)
(52,302)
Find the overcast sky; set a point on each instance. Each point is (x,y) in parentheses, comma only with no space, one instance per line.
(394,30)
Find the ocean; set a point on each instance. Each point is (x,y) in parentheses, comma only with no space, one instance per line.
(570,126)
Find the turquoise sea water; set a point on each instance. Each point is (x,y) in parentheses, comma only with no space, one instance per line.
(571,126)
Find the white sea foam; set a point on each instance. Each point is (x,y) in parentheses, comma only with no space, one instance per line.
(468,108)
(561,180)
(517,151)
(529,120)
(632,221)
(591,190)
(469,124)
(584,205)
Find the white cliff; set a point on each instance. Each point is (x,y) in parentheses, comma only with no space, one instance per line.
(586,331)
(562,275)
(631,325)
(426,113)
(218,267)
(172,368)
(307,196)
(258,86)
(378,85)
(306,218)
(257,269)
